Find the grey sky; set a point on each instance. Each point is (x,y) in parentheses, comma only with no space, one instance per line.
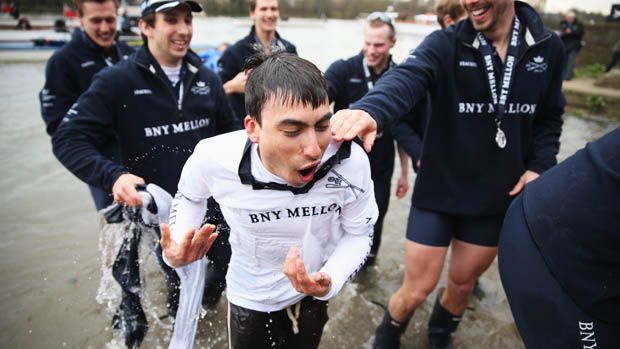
(584,5)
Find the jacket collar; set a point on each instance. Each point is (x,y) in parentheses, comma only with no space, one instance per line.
(252,37)
(144,58)
(82,39)
(246,177)
(534,27)
(391,63)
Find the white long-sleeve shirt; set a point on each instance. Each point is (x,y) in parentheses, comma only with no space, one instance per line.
(332,222)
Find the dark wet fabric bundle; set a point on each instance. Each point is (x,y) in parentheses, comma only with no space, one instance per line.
(130,317)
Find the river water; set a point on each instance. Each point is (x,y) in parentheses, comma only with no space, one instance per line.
(49,232)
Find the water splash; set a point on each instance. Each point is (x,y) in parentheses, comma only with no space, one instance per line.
(153,288)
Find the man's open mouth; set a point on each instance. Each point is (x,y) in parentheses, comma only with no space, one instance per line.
(307,173)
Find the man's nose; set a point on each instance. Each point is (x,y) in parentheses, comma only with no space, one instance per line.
(183,28)
(311,147)
(104,27)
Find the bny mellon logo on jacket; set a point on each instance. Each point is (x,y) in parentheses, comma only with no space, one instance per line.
(179,127)
(512,108)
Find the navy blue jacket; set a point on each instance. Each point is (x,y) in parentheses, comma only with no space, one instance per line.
(232,63)
(463,170)
(70,71)
(573,215)
(135,103)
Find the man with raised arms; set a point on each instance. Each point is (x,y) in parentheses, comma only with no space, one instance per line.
(300,207)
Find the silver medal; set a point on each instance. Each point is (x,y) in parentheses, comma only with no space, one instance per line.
(500,138)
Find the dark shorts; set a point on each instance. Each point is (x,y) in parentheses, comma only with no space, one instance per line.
(434,228)
(544,314)
(250,329)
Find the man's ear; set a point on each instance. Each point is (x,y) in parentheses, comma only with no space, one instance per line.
(144,28)
(252,128)
(447,20)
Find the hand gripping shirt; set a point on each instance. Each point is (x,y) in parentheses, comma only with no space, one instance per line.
(331,219)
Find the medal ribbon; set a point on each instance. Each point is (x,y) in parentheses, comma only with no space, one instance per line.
(499,102)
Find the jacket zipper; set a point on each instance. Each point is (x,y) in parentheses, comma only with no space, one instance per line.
(179,101)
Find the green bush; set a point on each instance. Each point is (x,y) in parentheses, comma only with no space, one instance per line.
(589,71)
(596,103)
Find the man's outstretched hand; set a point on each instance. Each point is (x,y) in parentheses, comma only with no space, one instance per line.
(346,124)
(317,285)
(192,248)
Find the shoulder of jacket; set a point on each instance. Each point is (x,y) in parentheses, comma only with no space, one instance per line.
(337,65)
(60,58)
(124,48)
(552,40)
(290,45)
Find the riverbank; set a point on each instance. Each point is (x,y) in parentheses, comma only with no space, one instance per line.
(585,97)
(25,56)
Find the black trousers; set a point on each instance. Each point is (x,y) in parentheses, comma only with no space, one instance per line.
(250,329)
(382,196)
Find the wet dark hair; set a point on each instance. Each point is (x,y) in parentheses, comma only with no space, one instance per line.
(282,77)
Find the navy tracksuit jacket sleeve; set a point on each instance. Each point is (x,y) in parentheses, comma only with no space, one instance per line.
(226,119)
(228,65)
(86,127)
(58,94)
(403,86)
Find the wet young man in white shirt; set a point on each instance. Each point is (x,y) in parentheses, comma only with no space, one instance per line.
(300,207)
